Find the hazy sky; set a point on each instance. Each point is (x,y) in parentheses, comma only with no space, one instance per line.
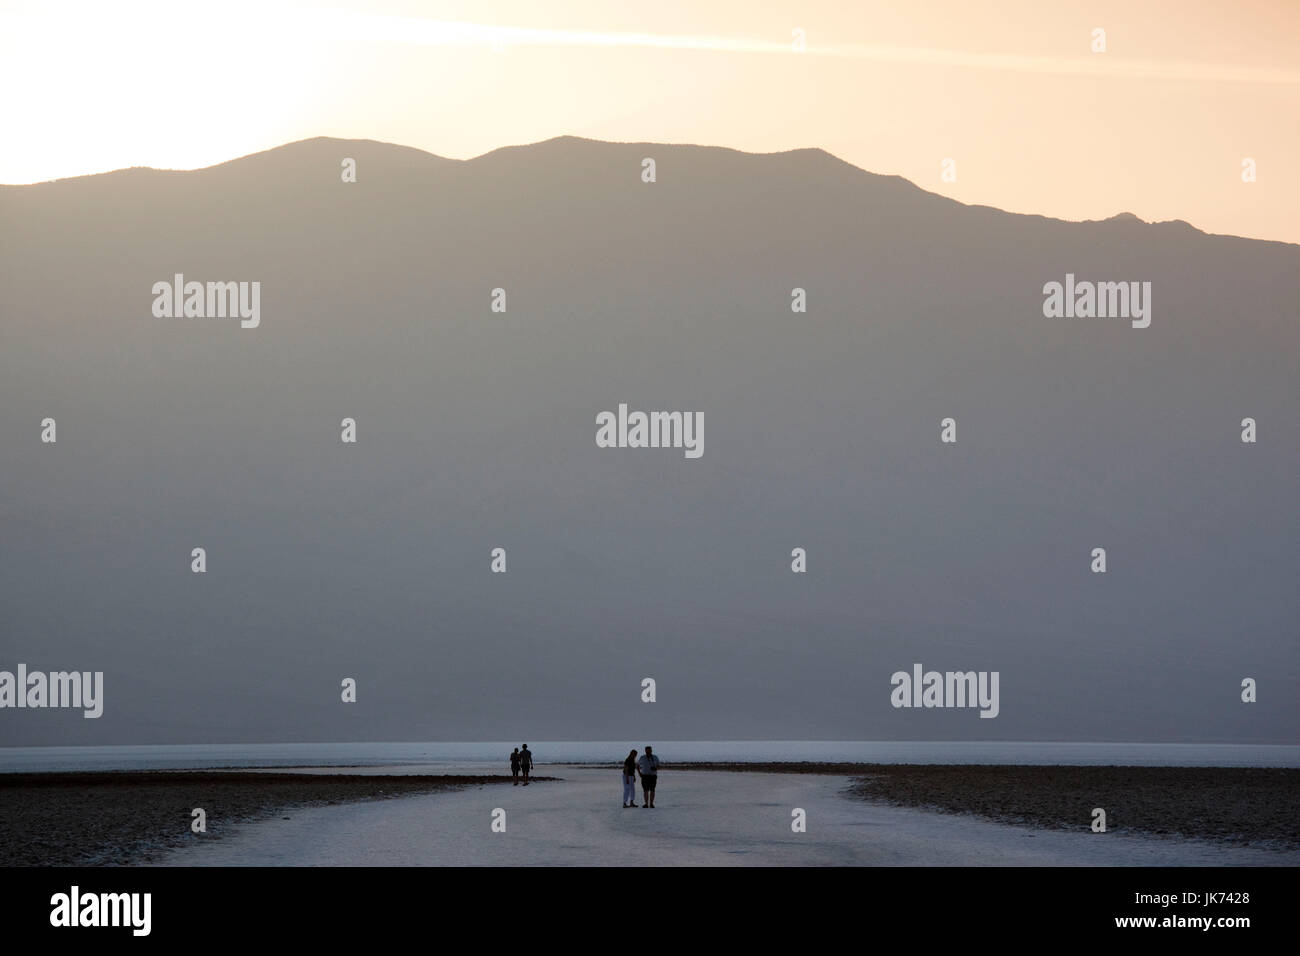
(1157,125)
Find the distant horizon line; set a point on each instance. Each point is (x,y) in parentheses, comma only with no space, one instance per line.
(685,740)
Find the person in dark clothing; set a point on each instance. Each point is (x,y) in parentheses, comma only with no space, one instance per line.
(514,765)
(649,767)
(629,780)
(526,763)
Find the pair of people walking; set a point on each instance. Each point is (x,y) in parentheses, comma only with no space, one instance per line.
(521,761)
(648,767)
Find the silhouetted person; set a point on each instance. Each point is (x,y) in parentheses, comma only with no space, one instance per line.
(526,763)
(629,780)
(649,767)
(514,765)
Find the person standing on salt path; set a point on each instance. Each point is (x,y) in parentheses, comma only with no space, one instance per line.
(629,780)
(649,767)
(526,762)
(514,765)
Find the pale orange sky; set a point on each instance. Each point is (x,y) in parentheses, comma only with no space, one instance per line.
(1158,125)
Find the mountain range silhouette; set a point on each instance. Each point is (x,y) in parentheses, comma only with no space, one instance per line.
(476,429)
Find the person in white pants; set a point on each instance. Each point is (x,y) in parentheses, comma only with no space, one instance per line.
(629,780)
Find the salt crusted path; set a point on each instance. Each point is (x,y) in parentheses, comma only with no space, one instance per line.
(702,818)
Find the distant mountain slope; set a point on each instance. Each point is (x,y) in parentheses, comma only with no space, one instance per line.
(477,430)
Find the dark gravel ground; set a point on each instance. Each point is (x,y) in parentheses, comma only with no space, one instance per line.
(133,817)
(1257,806)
